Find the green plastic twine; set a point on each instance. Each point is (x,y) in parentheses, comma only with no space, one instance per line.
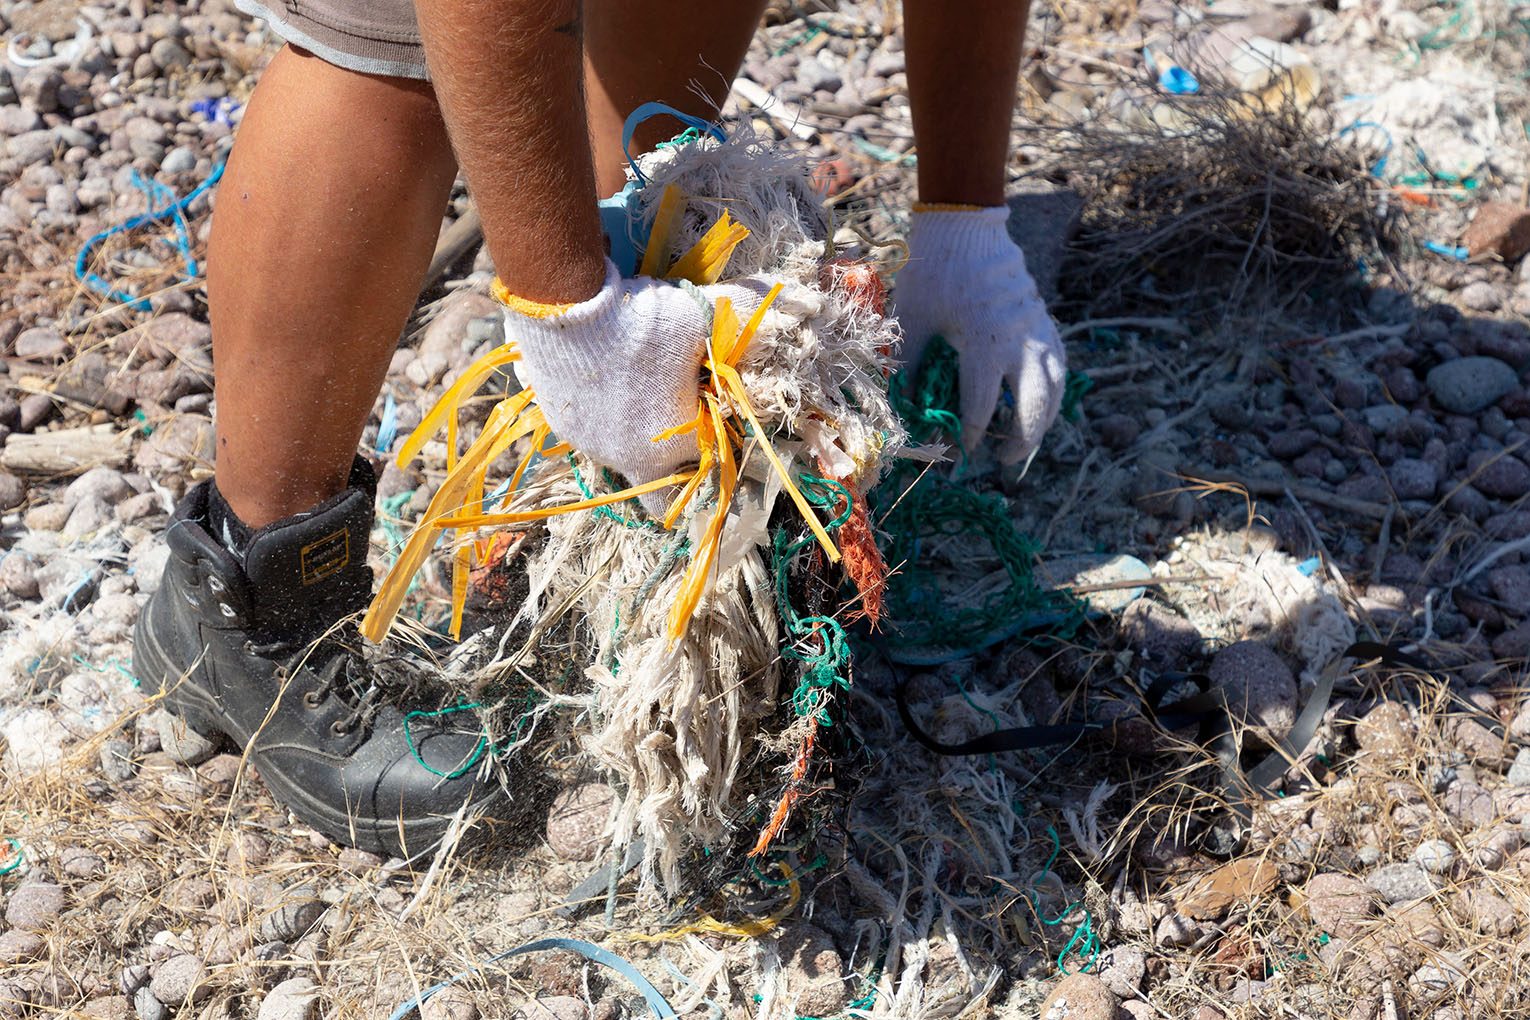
(472,759)
(605,511)
(818,642)
(1078,383)
(1085,943)
(16,862)
(930,506)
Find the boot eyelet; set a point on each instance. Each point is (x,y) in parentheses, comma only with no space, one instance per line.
(312,699)
(227,610)
(339,728)
(215,586)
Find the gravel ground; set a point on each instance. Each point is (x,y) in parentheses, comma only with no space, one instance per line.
(1300,461)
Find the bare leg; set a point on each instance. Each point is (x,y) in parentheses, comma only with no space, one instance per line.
(641,50)
(962,70)
(325,223)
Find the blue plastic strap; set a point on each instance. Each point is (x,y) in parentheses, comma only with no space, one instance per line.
(618,219)
(650,110)
(660,1006)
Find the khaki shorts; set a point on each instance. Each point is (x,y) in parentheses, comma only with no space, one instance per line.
(370,36)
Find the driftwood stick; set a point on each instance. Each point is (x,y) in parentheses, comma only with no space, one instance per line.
(455,243)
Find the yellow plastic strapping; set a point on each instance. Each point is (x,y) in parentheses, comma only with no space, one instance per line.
(656,255)
(458,503)
(750,929)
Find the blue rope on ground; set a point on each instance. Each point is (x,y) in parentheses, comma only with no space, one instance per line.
(173,208)
(660,1006)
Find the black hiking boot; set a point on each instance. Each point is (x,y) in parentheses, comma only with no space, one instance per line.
(227,641)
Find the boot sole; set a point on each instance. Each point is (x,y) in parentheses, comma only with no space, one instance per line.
(197,708)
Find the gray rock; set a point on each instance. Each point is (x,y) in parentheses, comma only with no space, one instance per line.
(148,1007)
(292,919)
(36,408)
(31,147)
(1481,296)
(1498,474)
(111,1007)
(576,822)
(39,87)
(1435,856)
(18,946)
(1398,882)
(1469,385)
(457,1004)
(89,516)
(179,160)
(35,906)
(1468,803)
(1176,930)
(41,343)
(167,54)
(1489,913)
(1511,586)
(885,63)
(449,333)
(1258,686)
(13,491)
(1382,417)
(117,761)
(60,198)
(181,979)
(815,75)
(17,120)
(78,862)
(1339,904)
(133,977)
(814,971)
(101,482)
(182,743)
(1291,443)
(294,999)
(1124,969)
(1519,772)
(1413,479)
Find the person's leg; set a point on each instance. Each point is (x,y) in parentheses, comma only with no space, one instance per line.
(325,223)
(963,66)
(642,50)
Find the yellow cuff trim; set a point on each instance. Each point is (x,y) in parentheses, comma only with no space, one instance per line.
(947,207)
(526,306)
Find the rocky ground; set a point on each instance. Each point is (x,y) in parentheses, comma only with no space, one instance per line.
(1301,458)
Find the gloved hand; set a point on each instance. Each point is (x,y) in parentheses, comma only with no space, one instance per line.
(613,372)
(966,281)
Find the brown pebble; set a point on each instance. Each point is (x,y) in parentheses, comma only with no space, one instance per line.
(1080,997)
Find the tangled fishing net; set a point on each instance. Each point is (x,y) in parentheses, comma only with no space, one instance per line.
(704,657)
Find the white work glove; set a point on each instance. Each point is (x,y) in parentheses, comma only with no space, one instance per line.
(966,281)
(613,372)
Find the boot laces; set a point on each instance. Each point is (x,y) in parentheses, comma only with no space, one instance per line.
(341,669)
